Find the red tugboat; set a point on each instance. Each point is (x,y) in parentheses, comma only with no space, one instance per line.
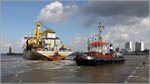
(98,52)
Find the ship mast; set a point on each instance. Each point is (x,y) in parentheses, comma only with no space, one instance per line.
(100,37)
(101,27)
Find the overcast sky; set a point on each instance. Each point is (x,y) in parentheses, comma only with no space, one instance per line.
(75,21)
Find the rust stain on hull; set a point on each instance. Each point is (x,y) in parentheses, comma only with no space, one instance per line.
(56,58)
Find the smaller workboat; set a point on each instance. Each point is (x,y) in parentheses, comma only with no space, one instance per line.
(98,52)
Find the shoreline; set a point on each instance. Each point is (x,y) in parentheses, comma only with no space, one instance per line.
(11,53)
(141,73)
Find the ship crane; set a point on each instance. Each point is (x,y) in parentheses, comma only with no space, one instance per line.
(44,33)
(44,25)
(38,33)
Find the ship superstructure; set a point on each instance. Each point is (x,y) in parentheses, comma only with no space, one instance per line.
(45,45)
(99,45)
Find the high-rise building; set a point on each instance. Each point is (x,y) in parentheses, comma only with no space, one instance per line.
(139,46)
(128,46)
(117,49)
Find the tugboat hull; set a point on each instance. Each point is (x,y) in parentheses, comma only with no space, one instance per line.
(98,62)
(85,60)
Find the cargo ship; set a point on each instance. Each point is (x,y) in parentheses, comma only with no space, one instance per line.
(45,45)
(99,51)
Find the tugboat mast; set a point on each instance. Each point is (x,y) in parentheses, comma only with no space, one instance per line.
(101,27)
(88,48)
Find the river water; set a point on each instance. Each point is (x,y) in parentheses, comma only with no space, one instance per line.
(15,69)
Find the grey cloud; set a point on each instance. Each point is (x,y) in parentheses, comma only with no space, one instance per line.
(112,8)
(121,20)
(91,20)
(88,21)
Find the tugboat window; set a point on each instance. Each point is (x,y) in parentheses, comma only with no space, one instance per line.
(95,45)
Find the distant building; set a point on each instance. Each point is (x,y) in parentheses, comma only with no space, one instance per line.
(10,50)
(128,46)
(123,51)
(117,49)
(139,46)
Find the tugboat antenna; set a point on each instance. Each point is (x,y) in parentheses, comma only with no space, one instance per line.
(88,45)
(101,27)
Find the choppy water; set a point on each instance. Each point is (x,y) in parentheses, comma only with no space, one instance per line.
(15,69)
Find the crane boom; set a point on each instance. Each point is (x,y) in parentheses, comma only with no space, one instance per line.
(38,33)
